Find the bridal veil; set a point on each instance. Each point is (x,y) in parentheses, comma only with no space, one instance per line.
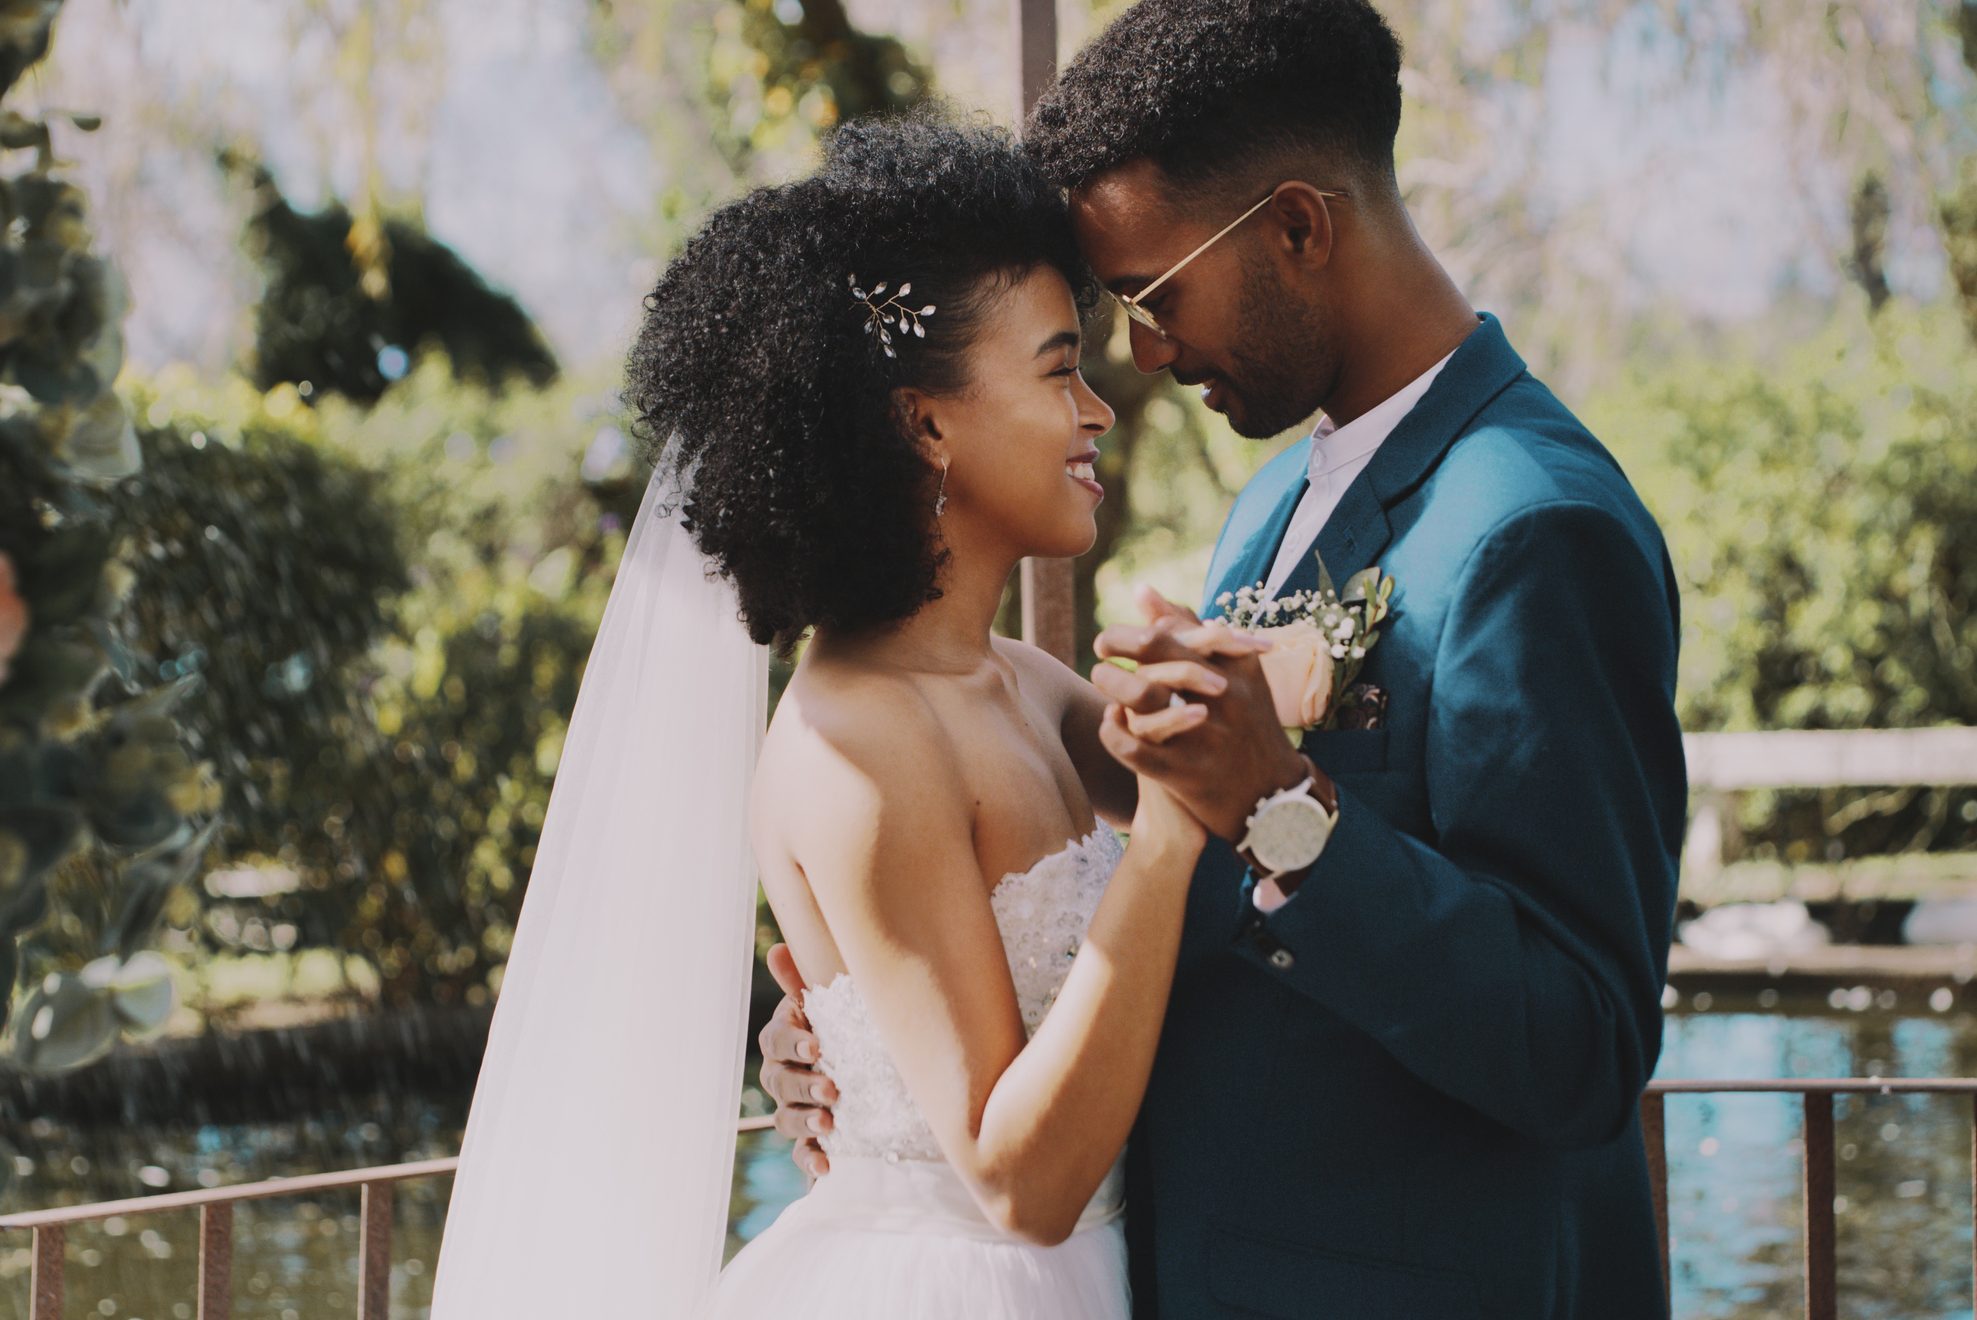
(599,1151)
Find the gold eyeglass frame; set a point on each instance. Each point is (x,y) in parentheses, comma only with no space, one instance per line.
(1131,301)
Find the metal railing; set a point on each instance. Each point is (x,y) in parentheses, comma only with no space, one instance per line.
(1816,1097)
(215,1206)
(374,1243)
(1723,764)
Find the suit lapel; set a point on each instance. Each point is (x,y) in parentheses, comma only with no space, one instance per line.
(1259,549)
(1358,530)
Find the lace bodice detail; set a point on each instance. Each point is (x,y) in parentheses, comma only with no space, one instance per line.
(1043,914)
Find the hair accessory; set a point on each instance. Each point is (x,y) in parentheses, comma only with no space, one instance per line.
(892,314)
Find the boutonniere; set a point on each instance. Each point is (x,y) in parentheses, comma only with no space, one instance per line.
(1319,641)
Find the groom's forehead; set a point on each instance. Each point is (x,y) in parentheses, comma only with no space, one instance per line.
(1123,218)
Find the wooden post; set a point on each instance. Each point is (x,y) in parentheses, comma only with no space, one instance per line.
(374,1253)
(1036,50)
(1821,1285)
(1654,1135)
(216,1261)
(1050,608)
(44,1280)
(1050,614)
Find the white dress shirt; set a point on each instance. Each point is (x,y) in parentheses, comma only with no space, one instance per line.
(1338,456)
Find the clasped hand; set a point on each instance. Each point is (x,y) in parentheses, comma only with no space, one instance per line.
(1195,713)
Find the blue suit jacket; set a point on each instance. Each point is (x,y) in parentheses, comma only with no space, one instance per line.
(1413,1091)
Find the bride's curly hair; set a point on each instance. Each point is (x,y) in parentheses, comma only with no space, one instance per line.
(755,381)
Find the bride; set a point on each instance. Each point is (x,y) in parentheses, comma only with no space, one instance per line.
(864,393)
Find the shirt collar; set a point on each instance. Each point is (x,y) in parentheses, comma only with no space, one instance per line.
(1335,447)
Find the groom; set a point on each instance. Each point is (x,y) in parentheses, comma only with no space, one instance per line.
(1402,1079)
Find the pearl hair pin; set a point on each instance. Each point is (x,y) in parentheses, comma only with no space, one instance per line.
(884,318)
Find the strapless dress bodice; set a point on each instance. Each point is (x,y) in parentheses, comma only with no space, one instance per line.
(1042,914)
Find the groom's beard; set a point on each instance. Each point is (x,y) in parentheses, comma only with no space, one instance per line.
(1279,362)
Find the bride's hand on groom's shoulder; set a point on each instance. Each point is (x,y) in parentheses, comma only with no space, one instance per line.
(1195,713)
(802,1094)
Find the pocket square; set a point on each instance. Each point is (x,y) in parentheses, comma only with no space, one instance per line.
(1363,706)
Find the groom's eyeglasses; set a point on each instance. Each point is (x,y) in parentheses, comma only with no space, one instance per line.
(1135,303)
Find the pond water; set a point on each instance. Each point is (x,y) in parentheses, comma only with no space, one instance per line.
(1904,1175)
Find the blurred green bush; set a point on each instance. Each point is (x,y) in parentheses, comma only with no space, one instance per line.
(1822,516)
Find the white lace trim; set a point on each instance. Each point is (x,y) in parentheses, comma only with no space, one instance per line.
(1042,914)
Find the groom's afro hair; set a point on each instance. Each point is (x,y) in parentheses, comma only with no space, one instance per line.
(757,386)
(1205,87)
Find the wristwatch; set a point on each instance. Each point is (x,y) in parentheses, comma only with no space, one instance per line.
(1287,831)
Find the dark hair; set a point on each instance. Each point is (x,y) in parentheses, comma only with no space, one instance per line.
(1207,87)
(756,376)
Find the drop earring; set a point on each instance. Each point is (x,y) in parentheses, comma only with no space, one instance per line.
(940,495)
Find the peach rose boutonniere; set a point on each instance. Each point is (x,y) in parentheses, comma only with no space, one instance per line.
(1320,640)
(1299,667)
(13,616)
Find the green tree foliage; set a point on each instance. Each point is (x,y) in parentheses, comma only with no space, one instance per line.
(814,49)
(1959,221)
(475,735)
(269,569)
(99,798)
(349,304)
(764,83)
(390,608)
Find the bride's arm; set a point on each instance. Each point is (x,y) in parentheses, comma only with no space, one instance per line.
(1032,1126)
(1114,790)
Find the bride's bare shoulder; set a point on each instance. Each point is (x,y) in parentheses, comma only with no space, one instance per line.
(850,741)
(1048,680)
(835,708)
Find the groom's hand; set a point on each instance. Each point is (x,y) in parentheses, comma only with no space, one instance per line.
(1157,607)
(1220,762)
(803,1095)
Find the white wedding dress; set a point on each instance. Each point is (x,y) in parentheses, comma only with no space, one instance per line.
(890,1233)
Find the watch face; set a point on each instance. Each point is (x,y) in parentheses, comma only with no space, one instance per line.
(1289,834)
